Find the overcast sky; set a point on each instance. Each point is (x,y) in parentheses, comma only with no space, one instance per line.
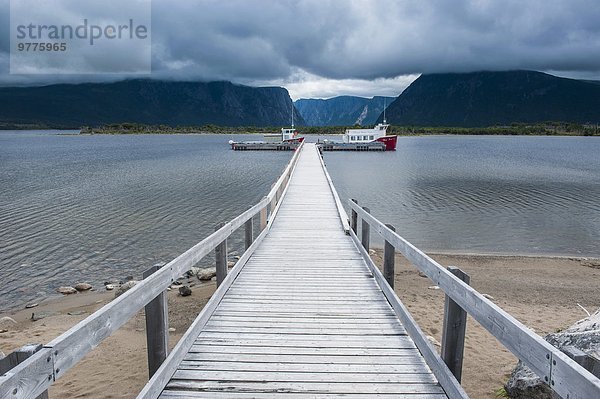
(324,48)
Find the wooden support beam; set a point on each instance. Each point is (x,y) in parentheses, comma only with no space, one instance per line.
(273,204)
(585,360)
(157,328)
(263,218)
(19,356)
(249,233)
(365,234)
(221,258)
(389,260)
(354,219)
(455,325)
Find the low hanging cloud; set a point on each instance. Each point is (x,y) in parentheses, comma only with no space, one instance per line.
(324,47)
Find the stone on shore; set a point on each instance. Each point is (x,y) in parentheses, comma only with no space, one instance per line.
(125,287)
(66,290)
(583,335)
(206,274)
(185,291)
(192,272)
(7,322)
(83,286)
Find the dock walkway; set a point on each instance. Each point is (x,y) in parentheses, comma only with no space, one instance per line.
(304,317)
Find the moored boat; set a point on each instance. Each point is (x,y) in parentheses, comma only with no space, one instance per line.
(375,139)
(286,140)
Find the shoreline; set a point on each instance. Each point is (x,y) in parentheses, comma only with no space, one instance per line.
(544,293)
(481,132)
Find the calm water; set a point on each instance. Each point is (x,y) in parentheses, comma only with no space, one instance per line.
(529,195)
(75,208)
(92,208)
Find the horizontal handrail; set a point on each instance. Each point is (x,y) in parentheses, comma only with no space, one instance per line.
(37,373)
(560,372)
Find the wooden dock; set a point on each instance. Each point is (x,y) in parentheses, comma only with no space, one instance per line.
(304,316)
(304,313)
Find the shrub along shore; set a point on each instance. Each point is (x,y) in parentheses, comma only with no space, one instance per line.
(542,129)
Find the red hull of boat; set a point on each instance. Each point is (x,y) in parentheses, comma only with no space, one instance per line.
(389,141)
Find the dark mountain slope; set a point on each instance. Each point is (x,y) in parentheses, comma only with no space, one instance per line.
(147,101)
(495,98)
(342,111)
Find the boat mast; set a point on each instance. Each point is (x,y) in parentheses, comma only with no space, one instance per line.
(292,115)
(384,121)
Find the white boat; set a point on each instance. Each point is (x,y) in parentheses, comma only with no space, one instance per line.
(375,139)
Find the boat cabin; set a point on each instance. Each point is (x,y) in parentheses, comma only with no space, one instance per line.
(288,134)
(365,135)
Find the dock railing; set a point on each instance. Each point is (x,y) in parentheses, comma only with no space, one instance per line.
(562,374)
(32,376)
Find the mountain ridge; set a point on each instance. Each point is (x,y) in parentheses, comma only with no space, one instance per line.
(341,110)
(149,102)
(480,99)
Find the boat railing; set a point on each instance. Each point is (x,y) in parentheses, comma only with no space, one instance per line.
(561,373)
(31,377)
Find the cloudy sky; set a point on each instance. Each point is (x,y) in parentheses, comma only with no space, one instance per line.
(324,48)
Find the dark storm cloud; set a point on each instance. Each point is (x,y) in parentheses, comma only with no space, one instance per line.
(372,39)
(274,40)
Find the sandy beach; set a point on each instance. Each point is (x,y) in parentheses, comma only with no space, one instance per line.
(541,292)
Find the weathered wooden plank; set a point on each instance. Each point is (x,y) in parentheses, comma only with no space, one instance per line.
(361,332)
(314,387)
(309,314)
(293,321)
(322,367)
(358,352)
(281,376)
(172,394)
(31,375)
(382,344)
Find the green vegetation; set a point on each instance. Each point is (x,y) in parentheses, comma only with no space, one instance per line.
(501,393)
(520,129)
(541,129)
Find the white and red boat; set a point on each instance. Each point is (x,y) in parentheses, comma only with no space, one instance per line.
(375,139)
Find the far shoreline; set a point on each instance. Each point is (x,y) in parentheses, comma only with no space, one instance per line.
(547,128)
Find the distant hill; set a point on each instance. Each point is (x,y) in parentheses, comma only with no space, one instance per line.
(495,98)
(148,102)
(342,111)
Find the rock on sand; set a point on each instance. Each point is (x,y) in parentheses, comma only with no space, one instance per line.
(66,290)
(83,286)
